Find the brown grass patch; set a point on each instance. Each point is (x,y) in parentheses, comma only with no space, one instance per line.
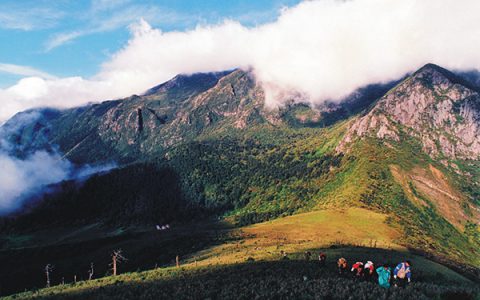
(431,185)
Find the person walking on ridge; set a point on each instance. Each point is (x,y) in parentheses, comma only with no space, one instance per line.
(384,274)
(402,273)
(342,266)
(369,270)
(357,269)
(322,258)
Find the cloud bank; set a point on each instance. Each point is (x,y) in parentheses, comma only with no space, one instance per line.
(27,176)
(321,49)
(20,178)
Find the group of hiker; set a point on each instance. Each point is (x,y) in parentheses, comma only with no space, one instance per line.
(402,273)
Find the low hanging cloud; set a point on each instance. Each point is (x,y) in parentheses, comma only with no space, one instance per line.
(21,178)
(322,50)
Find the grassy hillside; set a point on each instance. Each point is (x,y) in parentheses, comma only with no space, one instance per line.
(72,250)
(305,231)
(264,280)
(370,178)
(251,265)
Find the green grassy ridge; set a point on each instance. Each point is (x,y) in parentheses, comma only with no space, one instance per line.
(284,279)
(376,188)
(470,184)
(361,178)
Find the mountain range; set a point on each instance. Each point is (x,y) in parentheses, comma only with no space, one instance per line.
(204,146)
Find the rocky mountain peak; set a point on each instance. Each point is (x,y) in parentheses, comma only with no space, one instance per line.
(431,69)
(434,75)
(188,84)
(434,105)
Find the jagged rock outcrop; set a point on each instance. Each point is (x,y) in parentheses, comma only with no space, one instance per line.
(177,111)
(433,105)
(183,109)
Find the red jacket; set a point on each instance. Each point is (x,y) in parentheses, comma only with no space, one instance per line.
(358,266)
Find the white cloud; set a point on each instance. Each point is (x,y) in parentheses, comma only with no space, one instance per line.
(65,92)
(108,15)
(34,18)
(320,49)
(19,177)
(63,38)
(102,5)
(24,177)
(24,71)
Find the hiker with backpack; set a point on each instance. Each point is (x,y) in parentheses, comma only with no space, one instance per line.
(357,269)
(322,258)
(342,266)
(402,273)
(308,254)
(384,274)
(369,270)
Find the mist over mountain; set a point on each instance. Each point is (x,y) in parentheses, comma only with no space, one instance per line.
(30,163)
(22,179)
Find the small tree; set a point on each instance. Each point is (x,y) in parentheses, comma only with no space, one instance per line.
(48,269)
(117,258)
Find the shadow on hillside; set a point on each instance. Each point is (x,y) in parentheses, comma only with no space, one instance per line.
(145,250)
(285,279)
(82,223)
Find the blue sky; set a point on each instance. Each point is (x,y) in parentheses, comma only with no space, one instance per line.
(72,38)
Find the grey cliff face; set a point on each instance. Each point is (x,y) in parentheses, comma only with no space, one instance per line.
(433,105)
